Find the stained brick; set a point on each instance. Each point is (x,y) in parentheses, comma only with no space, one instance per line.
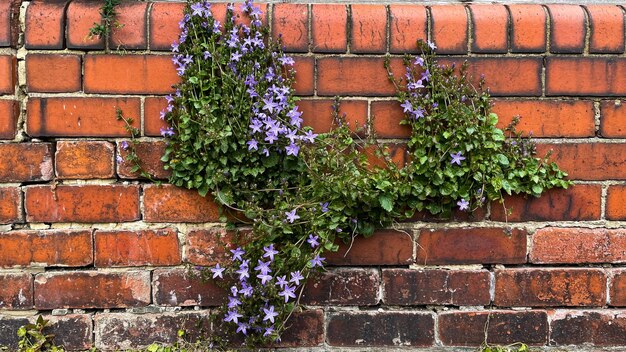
(589,161)
(615,200)
(84,204)
(386,116)
(8,118)
(53,73)
(72,331)
(607,29)
(22,162)
(11,323)
(306,330)
(132,34)
(84,160)
(8,74)
(407,26)
(152,123)
(149,154)
(211,246)
(490,25)
(471,246)
(436,287)
(304,79)
(9,22)
(617,287)
(46,25)
(80,17)
(368,31)
(318,113)
(613,118)
(179,288)
(168,203)
(16,291)
(329,28)
(449,29)
(136,248)
(577,246)
(594,76)
(164,29)
(344,76)
(46,248)
(528,28)
(568,28)
(10,205)
(595,328)
(385,247)
(290,22)
(357,287)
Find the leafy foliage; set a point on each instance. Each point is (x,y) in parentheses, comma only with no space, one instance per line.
(107,14)
(34,339)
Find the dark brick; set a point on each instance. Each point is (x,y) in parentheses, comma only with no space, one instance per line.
(73,332)
(572,327)
(177,287)
(343,287)
(8,330)
(385,247)
(16,291)
(305,329)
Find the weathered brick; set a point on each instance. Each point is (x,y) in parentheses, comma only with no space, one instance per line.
(152,123)
(290,23)
(11,323)
(548,118)
(471,246)
(543,287)
(617,287)
(8,74)
(615,200)
(132,34)
(579,202)
(129,74)
(397,154)
(9,22)
(436,287)
(164,29)
(596,328)
(503,327)
(149,154)
(594,76)
(46,24)
(386,116)
(407,26)
(607,29)
(589,161)
(613,118)
(304,79)
(358,287)
(208,247)
(72,331)
(318,113)
(178,287)
(344,76)
(385,247)
(568,28)
(53,73)
(22,162)
(379,329)
(10,205)
(136,248)
(490,24)
(528,28)
(449,28)
(84,204)
(329,23)
(368,31)
(9,111)
(46,248)
(577,246)
(168,203)
(123,331)
(80,117)
(16,291)
(306,329)
(80,17)
(91,289)
(84,160)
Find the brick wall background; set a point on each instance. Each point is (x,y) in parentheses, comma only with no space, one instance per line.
(102,253)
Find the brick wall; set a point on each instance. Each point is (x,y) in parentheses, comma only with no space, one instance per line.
(102,253)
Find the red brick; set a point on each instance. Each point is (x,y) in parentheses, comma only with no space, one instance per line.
(53,73)
(597,76)
(471,246)
(490,25)
(384,247)
(449,28)
(91,289)
(305,75)
(137,248)
(568,28)
(80,117)
(344,76)
(290,22)
(386,117)
(356,287)
(607,29)
(10,205)
(9,111)
(368,31)
(46,248)
(22,162)
(503,327)
(506,76)
(580,203)
(378,329)
(211,246)
(318,113)
(16,291)
(613,119)
(149,154)
(219,13)
(46,25)
(329,25)
(584,328)
(84,160)
(133,74)
(306,329)
(589,161)
(577,245)
(179,288)
(548,118)
(397,154)
(84,204)
(617,287)
(436,287)
(152,123)
(9,22)
(164,29)
(8,67)
(528,28)
(547,287)
(615,200)
(81,16)
(168,203)
(408,25)
(133,17)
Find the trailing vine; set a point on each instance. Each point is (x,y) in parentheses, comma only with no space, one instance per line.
(108,14)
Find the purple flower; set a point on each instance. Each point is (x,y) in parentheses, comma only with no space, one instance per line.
(243,274)
(256,126)
(266,152)
(247,290)
(270,252)
(292,149)
(435,105)
(419,61)
(255,12)
(292,216)
(167,132)
(217,271)
(407,106)
(296,276)
(263,267)
(281,281)
(324,207)
(270,105)
(124,145)
(268,331)
(457,158)
(309,136)
(243,328)
(269,314)
(233,302)
(206,55)
(233,316)
(216,26)
(119,159)
(235,57)
(415,85)
(252,144)
(286,60)
(417,113)
(313,241)
(287,292)
(233,290)
(237,253)
(294,116)
(197,9)
(432,45)
(463,204)
(270,137)
(175,47)
(264,278)
(425,75)
(317,261)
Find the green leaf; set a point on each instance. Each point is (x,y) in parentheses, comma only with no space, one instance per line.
(386,203)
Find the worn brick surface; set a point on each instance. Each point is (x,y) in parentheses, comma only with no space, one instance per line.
(607,29)
(53,73)
(20,162)
(407,25)
(164,29)
(8,74)
(132,35)
(596,328)
(617,287)
(59,248)
(597,76)
(80,17)
(489,25)
(46,25)
(84,160)
(329,23)
(576,246)
(168,203)
(8,118)
(357,287)
(318,114)
(589,161)
(211,246)
(136,248)
(449,29)
(179,287)
(368,30)
(149,154)
(16,291)
(528,28)
(384,247)
(290,23)
(613,118)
